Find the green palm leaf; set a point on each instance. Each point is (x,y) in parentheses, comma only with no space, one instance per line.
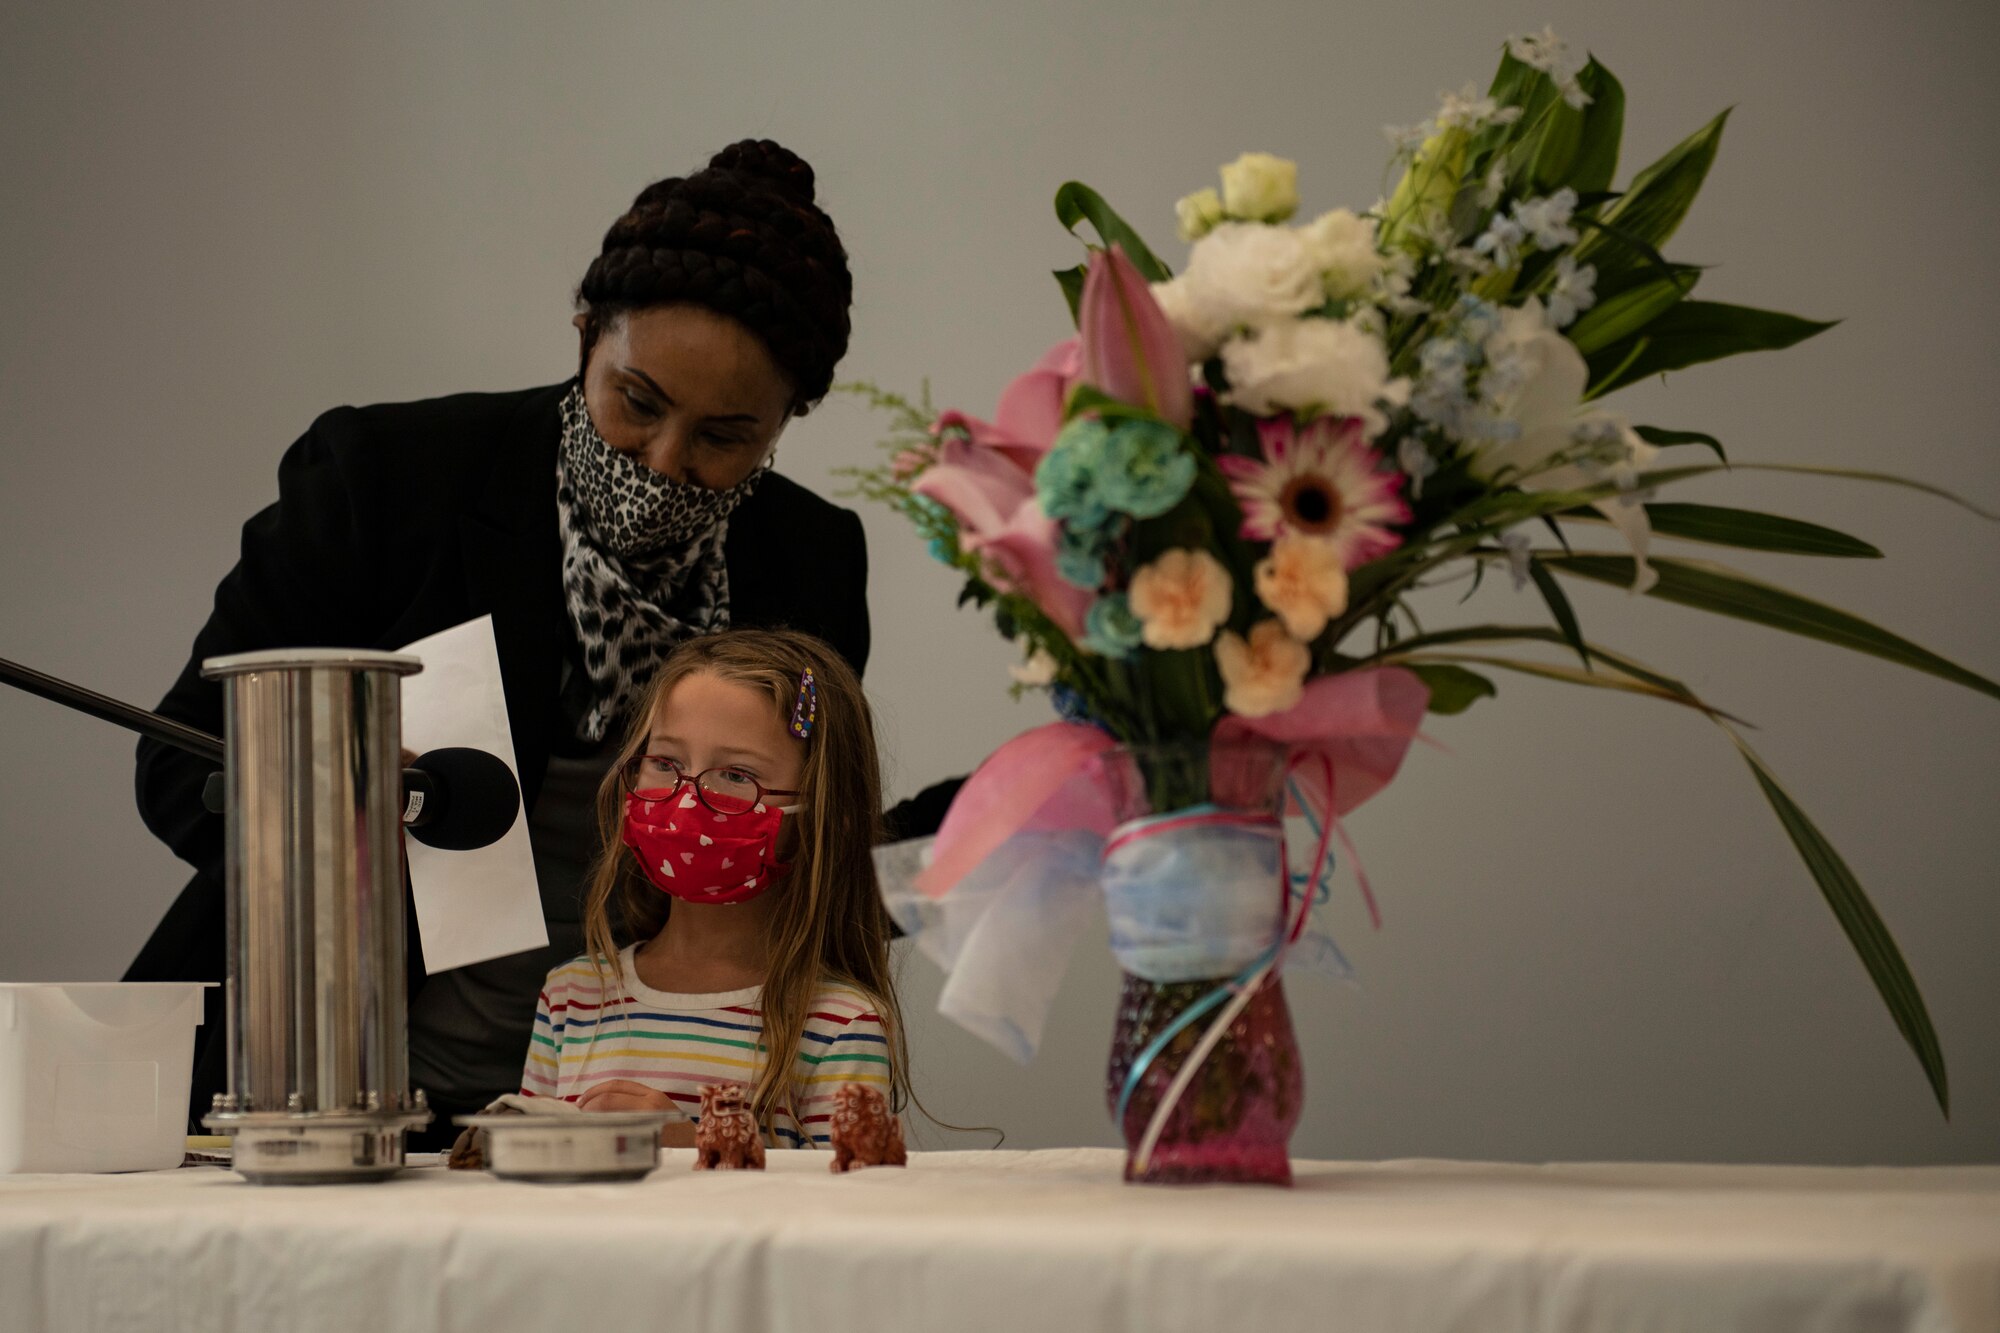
(1569,675)
(1539,634)
(1724,591)
(1857,917)
(1687,333)
(1745,529)
(1863,925)
(1666,476)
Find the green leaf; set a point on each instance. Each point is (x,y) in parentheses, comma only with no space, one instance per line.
(1071,282)
(1077,202)
(1088,398)
(1863,925)
(1664,438)
(1602,384)
(1752,531)
(1514,85)
(1512,80)
(1664,476)
(1744,529)
(1453,688)
(1543,634)
(1630,260)
(1543,158)
(1596,680)
(1506,508)
(1659,197)
(1559,607)
(1691,332)
(1723,591)
(1596,160)
(1631,310)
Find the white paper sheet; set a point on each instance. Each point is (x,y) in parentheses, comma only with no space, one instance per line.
(480,904)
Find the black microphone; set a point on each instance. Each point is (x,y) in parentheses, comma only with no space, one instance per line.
(457,798)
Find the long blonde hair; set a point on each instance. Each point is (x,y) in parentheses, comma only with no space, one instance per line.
(827,924)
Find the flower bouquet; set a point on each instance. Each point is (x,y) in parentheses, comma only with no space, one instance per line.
(1203,518)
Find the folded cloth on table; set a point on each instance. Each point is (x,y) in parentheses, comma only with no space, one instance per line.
(468,1152)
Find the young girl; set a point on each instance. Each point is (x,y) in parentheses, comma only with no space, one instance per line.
(738,827)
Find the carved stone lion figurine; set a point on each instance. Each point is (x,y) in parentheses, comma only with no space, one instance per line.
(726,1137)
(863,1131)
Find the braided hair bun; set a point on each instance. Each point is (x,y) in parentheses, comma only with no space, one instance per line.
(743,238)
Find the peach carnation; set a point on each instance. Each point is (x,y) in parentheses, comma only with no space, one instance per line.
(1302,580)
(1266,674)
(1180,599)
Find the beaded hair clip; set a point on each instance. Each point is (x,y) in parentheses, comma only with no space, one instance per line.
(805,705)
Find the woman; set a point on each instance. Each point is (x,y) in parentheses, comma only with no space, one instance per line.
(599,521)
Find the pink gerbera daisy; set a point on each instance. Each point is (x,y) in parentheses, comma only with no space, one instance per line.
(1322,482)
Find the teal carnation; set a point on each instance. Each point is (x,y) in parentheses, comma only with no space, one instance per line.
(1109,628)
(1067,479)
(1147,469)
(1080,557)
(922,508)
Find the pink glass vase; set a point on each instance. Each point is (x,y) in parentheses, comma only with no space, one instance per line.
(1233,1120)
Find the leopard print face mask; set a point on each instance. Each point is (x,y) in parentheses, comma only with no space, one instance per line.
(642,563)
(630,510)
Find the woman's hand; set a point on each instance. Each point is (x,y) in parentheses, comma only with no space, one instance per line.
(622,1094)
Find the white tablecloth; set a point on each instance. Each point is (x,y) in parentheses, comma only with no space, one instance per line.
(1037,1242)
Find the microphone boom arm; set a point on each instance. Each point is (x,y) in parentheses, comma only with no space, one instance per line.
(105,708)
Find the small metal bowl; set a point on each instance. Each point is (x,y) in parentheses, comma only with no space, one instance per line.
(571,1149)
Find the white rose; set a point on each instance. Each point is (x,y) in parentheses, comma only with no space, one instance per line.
(1258,187)
(1543,378)
(1534,382)
(1319,365)
(1244,274)
(1343,246)
(1199,338)
(1198,213)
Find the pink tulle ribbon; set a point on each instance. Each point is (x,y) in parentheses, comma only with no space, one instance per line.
(1045,780)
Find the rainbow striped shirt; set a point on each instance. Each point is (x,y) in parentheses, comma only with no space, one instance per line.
(586,1033)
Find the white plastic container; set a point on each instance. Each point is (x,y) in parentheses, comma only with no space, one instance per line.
(94,1075)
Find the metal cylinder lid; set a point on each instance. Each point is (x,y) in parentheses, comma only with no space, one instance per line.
(294,659)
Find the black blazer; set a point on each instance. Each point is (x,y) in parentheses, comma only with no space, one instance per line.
(400,520)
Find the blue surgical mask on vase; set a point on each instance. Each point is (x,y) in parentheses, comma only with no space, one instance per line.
(1193,895)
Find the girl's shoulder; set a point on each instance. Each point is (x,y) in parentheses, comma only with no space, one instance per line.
(841,1007)
(844,1041)
(580,981)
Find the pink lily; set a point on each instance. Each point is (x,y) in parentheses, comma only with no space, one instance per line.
(1130,349)
(986,478)
(981,485)
(1030,411)
(1021,557)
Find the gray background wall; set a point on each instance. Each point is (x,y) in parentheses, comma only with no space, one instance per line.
(220,219)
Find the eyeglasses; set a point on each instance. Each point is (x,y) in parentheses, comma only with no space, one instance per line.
(725,790)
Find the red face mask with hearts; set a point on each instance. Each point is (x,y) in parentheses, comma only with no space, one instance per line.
(701,855)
